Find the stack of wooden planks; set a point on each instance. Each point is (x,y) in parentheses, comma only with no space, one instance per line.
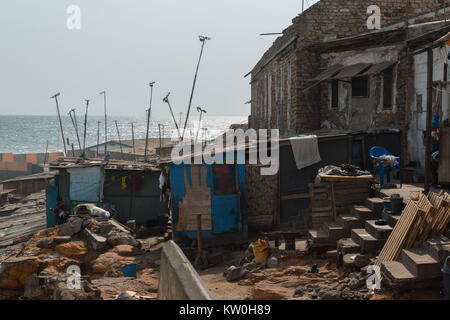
(322,207)
(420,219)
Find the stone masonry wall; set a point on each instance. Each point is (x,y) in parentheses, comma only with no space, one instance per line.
(328,19)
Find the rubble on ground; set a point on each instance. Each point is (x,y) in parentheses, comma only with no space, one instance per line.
(100,247)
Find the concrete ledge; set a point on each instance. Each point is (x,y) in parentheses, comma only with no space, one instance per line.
(178,279)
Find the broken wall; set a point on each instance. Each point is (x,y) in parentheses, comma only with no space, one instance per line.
(297,112)
(359,113)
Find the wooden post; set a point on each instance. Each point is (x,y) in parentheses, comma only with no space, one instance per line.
(201,259)
(429,118)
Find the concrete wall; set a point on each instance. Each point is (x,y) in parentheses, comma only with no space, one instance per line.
(178,279)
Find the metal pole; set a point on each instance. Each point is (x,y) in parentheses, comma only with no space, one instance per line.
(118,134)
(429,117)
(75,126)
(132,137)
(166,100)
(203,40)
(98,136)
(46,154)
(106,123)
(200,121)
(163,134)
(148,120)
(160,144)
(60,123)
(85,128)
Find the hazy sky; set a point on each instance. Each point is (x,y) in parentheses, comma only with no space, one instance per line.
(123,44)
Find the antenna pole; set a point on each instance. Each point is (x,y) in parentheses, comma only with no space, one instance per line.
(85,128)
(106,123)
(148,119)
(203,40)
(60,123)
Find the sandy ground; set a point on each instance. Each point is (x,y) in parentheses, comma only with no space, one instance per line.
(269,284)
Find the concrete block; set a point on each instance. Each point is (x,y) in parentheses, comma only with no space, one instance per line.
(363,213)
(376,205)
(97,241)
(349,222)
(420,263)
(379,232)
(178,279)
(347,245)
(396,274)
(367,242)
(335,231)
(318,237)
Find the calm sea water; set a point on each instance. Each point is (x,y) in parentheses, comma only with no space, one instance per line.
(25,134)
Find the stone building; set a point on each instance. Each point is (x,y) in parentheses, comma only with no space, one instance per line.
(328,70)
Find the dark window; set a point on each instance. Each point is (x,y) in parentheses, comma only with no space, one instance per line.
(387,89)
(334,94)
(224,179)
(360,87)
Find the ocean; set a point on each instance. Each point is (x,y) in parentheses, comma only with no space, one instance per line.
(30,134)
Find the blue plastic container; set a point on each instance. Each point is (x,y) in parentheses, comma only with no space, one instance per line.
(130,270)
(446,277)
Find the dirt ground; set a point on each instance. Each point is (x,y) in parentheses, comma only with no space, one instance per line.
(292,273)
(270,284)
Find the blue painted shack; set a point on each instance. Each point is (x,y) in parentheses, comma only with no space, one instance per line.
(217,192)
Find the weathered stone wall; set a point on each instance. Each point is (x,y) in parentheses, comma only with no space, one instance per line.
(273,95)
(260,198)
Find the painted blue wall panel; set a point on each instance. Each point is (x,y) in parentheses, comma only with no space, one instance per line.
(226,214)
(86,184)
(226,210)
(51,194)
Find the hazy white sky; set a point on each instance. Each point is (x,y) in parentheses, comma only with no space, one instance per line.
(123,44)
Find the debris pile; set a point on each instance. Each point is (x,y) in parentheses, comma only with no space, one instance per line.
(345,170)
(98,246)
(353,287)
